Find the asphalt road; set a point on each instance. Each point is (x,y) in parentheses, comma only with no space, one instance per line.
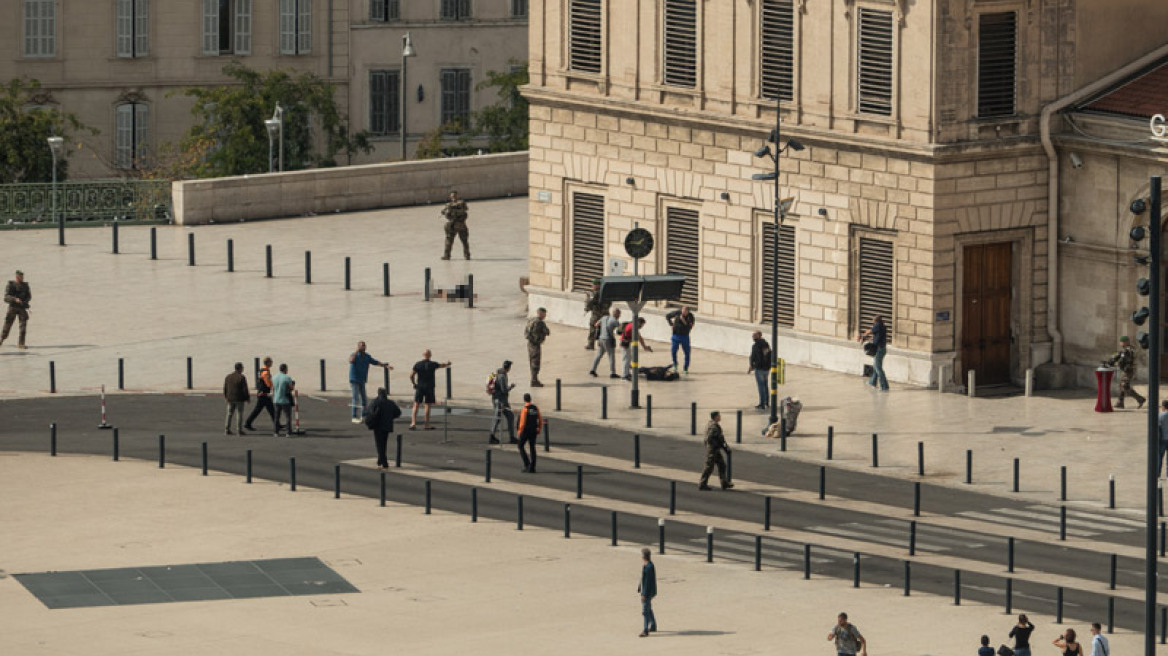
(188,421)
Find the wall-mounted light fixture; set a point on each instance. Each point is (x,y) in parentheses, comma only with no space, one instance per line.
(725,195)
(631,182)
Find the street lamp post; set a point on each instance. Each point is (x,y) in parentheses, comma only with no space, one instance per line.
(277,121)
(407,52)
(56,145)
(273,127)
(781,207)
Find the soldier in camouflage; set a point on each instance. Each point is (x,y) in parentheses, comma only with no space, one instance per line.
(596,311)
(17,295)
(536,332)
(1125,361)
(455,213)
(715,445)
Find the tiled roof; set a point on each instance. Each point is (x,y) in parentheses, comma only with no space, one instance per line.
(1142,96)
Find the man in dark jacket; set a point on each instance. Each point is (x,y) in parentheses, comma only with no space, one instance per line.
(648,590)
(263,395)
(530,422)
(237,395)
(715,445)
(380,418)
(760,364)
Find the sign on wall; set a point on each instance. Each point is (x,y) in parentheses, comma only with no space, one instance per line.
(1159,126)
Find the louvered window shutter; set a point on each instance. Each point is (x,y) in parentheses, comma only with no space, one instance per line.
(874,69)
(392,10)
(210,27)
(377,10)
(125,22)
(681,41)
(584,36)
(287,27)
(519,8)
(243,27)
(997,64)
(304,28)
(587,239)
(377,108)
(124,136)
(682,252)
(141,132)
(141,28)
(786,283)
(778,49)
(876,284)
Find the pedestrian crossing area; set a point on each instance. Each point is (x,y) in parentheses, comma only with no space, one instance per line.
(1080,523)
(895,533)
(739,547)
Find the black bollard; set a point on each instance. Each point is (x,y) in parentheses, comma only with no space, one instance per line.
(336,481)
(729,465)
(348,273)
(1063,483)
(385,374)
(382,489)
(308,267)
(161,451)
(385,278)
(154,243)
(766,513)
(738,428)
(547,436)
(567,520)
(648,411)
(470,291)
(636,451)
(693,418)
(1160,499)
(661,536)
(292,474)
(709,544)
(920,458)
(116,445)
(1163,542)
(672,497)
(1009,596)
(1010,555)
(256,373)
(449,384)
(1058,607)
(52,377)
(190,373)
(474,505)
(1111,491)
(916,499)
(1017,472)
(912,537)
(856,569)
(969,466)
(579,481)
(190,249)
(248,466)
(397,455)
(956,587)
(830,439)
(1063,523)
(230,256)
(614,529)
(783,435)
(121,373)
(875,450)
(53,439)
(1114,558)
(429,485)
(322,376)
(268,261)
(204,458)
(115,236)
(426,289)
(758,553)
(487,473)
(1163,624)
(907,578)
(806,562)
(519,513)
(604,402)
(822,482)
(559,394)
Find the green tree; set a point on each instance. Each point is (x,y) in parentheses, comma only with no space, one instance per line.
(505,122)
(25,125)
(232,117)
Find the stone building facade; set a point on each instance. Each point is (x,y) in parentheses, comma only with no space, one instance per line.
(921,193)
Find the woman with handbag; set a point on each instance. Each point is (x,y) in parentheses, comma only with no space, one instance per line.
(877,335)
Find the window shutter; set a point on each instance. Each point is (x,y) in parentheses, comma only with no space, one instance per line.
(141,132)
(243,27)
(778,49)
(393,10)
(587,239)
(40,28)
(449,84)
(455,9)
(997,64)
(876,282)
(519,8)
(681,40)
(304,28)
(125,22)
(384,110)
(874,78)
(287,27)
(584,37)
(464,96)
(682,251)
(786,286)
(141,28)
(124,136)
(377,10)
(210,27)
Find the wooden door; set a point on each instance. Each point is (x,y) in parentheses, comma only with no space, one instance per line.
(985,315)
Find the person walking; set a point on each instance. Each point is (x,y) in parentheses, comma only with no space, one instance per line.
(878,334)
(760,364)
(237,396)
(282,388)
(1099,644)
(456,214)
(1125,360)
(359,362)
(423,379)
(530,422)
(626,343)
(596,311)
(536,332)
(682,321)
(263,395)
(648,589)
(1067,643)
(715,445)
(606,337)
(501,400)
(380,420)
(1020,632)
(17,295)
(848,639)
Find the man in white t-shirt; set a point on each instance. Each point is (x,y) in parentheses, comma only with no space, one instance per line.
(1099,646)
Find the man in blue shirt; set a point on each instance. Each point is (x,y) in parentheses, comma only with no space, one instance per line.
(282,389)
(648,590)
(879,336)
(359,363)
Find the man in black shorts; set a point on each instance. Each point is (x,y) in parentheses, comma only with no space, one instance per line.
(422,378)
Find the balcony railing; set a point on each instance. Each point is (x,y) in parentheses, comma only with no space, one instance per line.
(89,200)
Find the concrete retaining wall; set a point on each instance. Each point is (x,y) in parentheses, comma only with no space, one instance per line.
(347,189)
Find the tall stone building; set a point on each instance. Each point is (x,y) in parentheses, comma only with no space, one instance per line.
(922,192)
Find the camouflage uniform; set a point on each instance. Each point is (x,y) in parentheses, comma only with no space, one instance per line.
(535,332)
(597,311)
(455,213)
(1125,361)
(17,295)
(715,444)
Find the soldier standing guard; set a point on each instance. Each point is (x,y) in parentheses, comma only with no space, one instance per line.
(17,295)
(535,332)
(715,444)
(596,310)
(455,213)
(1125,361)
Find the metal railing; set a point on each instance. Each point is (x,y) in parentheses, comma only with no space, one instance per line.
(90,200)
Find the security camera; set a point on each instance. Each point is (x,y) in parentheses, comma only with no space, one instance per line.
(1076,161)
